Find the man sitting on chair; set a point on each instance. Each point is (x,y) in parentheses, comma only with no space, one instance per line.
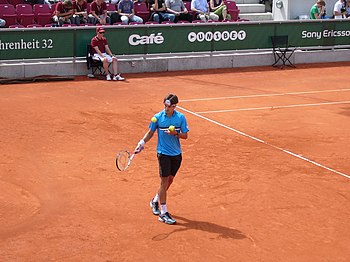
(103,53)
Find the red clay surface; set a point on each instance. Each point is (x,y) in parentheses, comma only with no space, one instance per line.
(235,198)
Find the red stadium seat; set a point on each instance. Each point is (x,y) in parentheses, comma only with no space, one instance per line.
(197,21)
(34,26)
(16,26)
(167,22)
(4,2)
(135,23)
(232,9)
(151,23)
(142,11)
(8,13)
(183,22)
(25,15)
(42,14)
(111,8)
(87,24)
(68,25)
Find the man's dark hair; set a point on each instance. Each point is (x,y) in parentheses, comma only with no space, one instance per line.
(171,99)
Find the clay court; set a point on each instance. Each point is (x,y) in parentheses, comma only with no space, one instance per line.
(265,175)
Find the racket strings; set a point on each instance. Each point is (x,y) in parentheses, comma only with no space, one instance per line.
(123,160)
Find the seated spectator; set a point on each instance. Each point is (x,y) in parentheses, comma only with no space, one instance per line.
(114,15)
(64,13)
(178,8)
(201,8)
(80,12)
(102,53)
(127,12)
(220,9)
(347,9)
(339,10)
(159,11)
(98,13)
(317,11)
(2,22)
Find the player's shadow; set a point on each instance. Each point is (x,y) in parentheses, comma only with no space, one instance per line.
(187,224)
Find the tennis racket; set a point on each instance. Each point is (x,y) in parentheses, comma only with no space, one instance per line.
(123,160)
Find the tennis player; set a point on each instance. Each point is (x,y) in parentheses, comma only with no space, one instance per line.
(169,151)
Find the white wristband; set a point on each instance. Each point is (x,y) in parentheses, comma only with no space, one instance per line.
(142,142)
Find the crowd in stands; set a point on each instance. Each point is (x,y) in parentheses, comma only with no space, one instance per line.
(341,10)
(39,13)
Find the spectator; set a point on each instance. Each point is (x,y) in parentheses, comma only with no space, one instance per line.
(220,9)
(339,9)
(201,8)
(64,13)
(347,9)
(114,15)
(159,11)
(98,13)
(127,12)
(178,8)
(102,53)
(2,22)
(80,12)
(317,11)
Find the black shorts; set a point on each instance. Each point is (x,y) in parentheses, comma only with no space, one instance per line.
(169,165)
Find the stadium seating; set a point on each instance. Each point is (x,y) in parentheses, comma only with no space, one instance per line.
(8,13)
(232,9)
(111,8)
(141,10)
(4,2)
(42,14)
(16,26)
(25,15)
(135,23)
(34,26)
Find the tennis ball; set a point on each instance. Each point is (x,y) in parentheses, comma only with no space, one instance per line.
(154,120)
(171,128)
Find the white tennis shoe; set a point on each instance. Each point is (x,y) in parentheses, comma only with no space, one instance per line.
(118,78)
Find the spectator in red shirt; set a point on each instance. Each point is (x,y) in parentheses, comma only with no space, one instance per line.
(64,13)
(103,53)
(98,13)
(80,11)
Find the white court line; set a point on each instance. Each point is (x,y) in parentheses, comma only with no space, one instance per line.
(274,107)
(266,95)
(266,143)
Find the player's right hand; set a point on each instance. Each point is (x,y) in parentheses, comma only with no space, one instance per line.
(140,146)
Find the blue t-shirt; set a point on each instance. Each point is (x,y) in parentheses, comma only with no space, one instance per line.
(169,144)
(126,6)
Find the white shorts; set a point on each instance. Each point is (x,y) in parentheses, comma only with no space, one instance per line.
(100,58)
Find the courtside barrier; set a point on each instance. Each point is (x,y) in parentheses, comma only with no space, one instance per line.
(34,43)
